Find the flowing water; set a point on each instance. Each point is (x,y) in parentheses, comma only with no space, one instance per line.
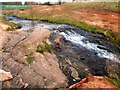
(96,52)
(81,41)
(69,35)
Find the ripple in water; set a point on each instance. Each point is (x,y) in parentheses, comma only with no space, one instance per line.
(75,38)
(81,41)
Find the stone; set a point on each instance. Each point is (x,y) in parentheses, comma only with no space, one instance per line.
(5,76)
(74,73)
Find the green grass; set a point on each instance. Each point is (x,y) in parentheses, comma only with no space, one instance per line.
(12,25)
(114,81)
(30,58)
(113,36)
(67,18)
(15,7)
(44,48)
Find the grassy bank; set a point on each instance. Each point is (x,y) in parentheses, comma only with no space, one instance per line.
(113,36)
(12,25)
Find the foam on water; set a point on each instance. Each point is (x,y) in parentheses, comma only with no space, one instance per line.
(81,41)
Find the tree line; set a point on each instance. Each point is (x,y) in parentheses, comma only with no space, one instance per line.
(29,3)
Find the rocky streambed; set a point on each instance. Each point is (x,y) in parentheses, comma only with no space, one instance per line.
(76,54)
(82,53)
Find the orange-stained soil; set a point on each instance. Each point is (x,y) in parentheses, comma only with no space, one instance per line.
(103,19)
(92,82)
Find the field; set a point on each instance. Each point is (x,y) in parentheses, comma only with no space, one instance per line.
(100,6)
(14,7)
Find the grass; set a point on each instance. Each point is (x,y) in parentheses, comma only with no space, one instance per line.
(113,36)
(106,6)
(12,25)
(114,81)
(30,58)
(66,16)
(14,7)
(44,48)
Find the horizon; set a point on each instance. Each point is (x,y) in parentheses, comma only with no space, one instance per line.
(57,0)
(40,1)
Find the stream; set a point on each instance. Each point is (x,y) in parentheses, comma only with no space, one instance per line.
(80,53)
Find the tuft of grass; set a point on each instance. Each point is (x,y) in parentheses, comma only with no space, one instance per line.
(44,48)
(114,81)
(30,58)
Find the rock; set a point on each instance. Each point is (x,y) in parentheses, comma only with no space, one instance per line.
(4,76)
(74,73)
(58,39)
(36,74)
(4,26)
(93,82)
(25,85)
